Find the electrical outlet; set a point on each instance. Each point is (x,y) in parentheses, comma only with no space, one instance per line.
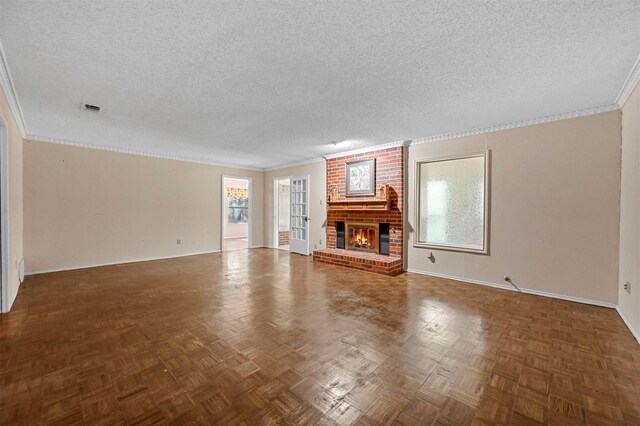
(627,287)
(178,242)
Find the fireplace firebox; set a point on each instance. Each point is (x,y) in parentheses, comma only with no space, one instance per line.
(359,236)
(362,237)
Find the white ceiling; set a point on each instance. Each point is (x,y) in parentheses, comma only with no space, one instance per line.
(264,83)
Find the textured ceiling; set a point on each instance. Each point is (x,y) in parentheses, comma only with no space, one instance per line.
(262,83)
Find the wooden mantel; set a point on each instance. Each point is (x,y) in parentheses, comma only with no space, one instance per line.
(380,203)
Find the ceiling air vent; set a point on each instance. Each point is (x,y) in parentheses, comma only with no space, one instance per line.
(90,107)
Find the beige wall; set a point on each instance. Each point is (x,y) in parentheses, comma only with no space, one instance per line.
(630,212)
(87,207)
(15,197)
(317,202)
(554,208)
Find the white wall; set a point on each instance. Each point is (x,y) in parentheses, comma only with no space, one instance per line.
(234,230)
(317,202)
(630,213)
(554,208)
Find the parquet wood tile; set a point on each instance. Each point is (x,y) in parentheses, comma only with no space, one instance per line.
(265,337)
(341,414)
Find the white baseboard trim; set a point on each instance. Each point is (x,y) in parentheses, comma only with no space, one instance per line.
(11,299)
(628,323)
(124,262)
(615,306)
(520,290)
(570,298)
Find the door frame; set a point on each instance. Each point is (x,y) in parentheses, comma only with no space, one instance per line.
(223,209)
(5,303)
(276,211)
(308,178)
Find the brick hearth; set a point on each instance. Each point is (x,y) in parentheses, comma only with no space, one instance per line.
(370,262)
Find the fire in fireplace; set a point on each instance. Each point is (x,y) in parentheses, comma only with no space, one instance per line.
(362,237)
(349,233)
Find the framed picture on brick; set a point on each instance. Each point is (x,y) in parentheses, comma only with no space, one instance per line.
(361,177)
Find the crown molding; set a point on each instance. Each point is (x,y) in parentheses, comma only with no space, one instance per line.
(516,124)
(38,138)
(294,164)
(368,149)
(629,84)
(6,83)
(446,136)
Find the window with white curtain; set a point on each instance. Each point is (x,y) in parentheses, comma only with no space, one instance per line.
(453,196)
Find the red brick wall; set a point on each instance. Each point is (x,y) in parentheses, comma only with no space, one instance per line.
(283,238)
(389,171)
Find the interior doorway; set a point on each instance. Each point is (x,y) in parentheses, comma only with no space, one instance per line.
(282,212)
(236,216)
(299,235)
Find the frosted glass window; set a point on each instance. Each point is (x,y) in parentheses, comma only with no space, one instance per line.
(452,196)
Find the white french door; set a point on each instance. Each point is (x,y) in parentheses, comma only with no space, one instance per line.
(299,234)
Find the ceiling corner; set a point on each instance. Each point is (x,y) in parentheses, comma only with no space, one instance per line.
(629,84)
(9,91)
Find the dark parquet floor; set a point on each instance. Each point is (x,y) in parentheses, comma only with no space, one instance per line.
(265,337)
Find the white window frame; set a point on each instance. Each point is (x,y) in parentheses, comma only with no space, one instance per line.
(487,201)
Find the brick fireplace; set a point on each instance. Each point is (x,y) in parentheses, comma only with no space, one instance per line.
(366,232)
